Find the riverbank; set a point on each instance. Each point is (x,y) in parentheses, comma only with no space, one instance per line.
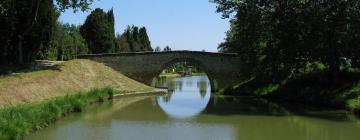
(172,75)
(69,77)
(316,89)
(210,117)
(17,121)
(169,75)
(33,100)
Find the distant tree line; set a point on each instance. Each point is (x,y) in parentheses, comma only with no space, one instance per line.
(166,49)
(279,38)
(29,30)
(134,39)
(183,66)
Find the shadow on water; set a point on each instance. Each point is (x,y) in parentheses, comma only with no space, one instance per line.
(230,105)
(187,96)
(234,105)
(192,112)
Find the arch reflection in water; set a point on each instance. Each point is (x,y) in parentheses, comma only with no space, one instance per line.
(187,97)
(225,118)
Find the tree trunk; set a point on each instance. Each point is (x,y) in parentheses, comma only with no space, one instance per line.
(20,54)
(32,19)
(335,64)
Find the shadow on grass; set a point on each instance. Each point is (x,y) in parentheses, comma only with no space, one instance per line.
(15,69)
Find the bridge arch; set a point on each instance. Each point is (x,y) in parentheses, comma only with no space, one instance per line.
(199,64)
(223,69)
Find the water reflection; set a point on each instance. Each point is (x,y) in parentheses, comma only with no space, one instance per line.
(191,112)
(203,87)
(185,101)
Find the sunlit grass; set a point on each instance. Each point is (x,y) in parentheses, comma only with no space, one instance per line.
(69,77)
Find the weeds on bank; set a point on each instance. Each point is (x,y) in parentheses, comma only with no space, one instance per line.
(16,122)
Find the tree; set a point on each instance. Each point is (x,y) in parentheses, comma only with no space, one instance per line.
(122,44)
(134,40)
(167,49)
(27,26)
(157,49)
(66,43)
(278,38)
(144,40)
(98,31)
(248,33)
(29,23)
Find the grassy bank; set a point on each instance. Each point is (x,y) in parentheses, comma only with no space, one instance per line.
(316,89)
(15,122)
(32,100)
(170,75)
(178,75)
(199,74)
(69,77)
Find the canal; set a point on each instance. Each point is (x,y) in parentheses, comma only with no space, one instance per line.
(191,112)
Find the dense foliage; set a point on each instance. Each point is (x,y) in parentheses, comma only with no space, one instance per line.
(98,31)
(167,49)
(26,26)
(296,50)
(183,66)
(157,49)
(30,30)
(279,38)
(25,23)
(66,43)
(133,40)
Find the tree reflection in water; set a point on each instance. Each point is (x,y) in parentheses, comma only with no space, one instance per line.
(176,85)
(203,86)
(172,84)
(187,96)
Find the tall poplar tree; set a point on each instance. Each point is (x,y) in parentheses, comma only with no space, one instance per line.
(134,40)
(98,31)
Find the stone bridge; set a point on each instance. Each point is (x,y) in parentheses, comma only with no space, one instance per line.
(222,69)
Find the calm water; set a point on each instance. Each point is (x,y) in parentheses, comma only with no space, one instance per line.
(191,112)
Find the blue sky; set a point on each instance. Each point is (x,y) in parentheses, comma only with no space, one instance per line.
(181,24)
